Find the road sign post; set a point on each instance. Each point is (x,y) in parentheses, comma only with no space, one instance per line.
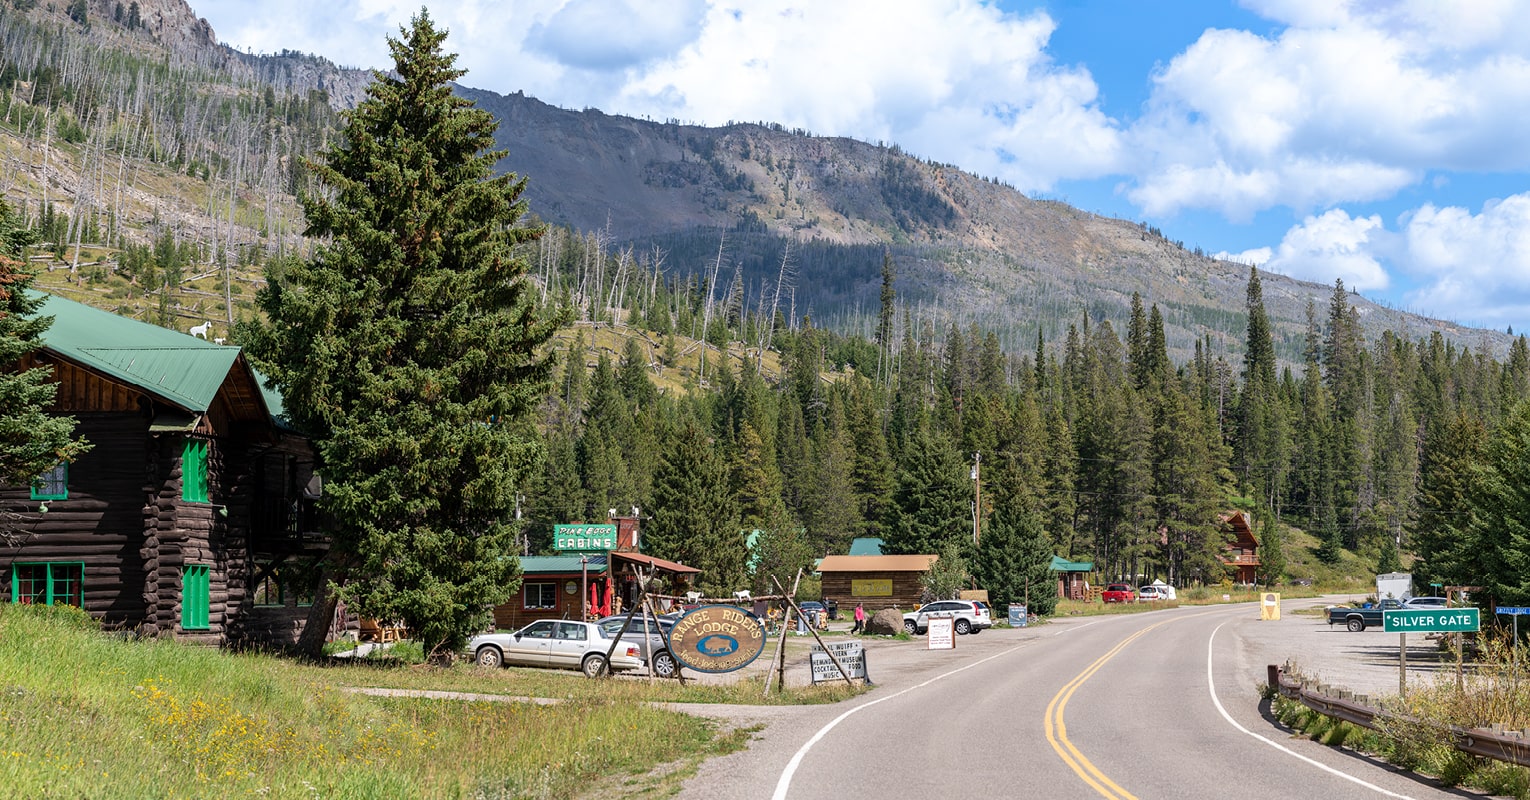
(1427,620)
(1516,612)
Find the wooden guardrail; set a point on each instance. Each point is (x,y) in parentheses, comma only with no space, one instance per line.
(1510,746)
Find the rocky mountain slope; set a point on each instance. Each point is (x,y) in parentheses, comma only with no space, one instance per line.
(213,157)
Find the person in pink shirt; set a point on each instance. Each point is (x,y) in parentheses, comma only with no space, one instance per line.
(860,619)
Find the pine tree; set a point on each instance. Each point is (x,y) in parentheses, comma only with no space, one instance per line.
(930,505)
(1263,438)
(1014,562)
(32,441)
(409,347)
(1272,552)
(694,519)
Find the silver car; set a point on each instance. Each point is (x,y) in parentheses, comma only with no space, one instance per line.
(654,648)
(555,643)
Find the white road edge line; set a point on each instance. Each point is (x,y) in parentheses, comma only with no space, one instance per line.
(1211,685)
(785,782)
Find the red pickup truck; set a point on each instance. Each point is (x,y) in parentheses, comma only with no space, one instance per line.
(1119,593)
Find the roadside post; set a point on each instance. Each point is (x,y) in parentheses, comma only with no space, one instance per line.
(1427,620)
(1516,612)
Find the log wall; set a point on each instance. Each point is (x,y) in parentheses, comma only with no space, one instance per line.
(906,590)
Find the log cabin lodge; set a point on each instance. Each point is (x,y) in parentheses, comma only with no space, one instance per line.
(192,515)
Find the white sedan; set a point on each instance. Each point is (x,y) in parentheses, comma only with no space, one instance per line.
(556,643)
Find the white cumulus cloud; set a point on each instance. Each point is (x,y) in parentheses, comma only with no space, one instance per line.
(1351,102)
(1333,246)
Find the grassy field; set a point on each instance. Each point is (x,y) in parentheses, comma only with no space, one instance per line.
(88,714)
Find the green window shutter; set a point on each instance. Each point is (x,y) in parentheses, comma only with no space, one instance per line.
(196,596)
(194,471)
(53,484)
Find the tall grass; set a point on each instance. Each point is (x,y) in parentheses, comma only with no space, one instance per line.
(1494,693)
(86,714)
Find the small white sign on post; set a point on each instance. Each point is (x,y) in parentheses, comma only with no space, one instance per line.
(941,634)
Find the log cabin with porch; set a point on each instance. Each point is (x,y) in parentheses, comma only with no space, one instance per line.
(1241,554)
(192,516)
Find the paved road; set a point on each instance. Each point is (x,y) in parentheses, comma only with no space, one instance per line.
(1159,704)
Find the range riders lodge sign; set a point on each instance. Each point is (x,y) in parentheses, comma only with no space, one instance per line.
(717,639)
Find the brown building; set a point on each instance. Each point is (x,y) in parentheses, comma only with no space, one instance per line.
(876,582)
(192,514)
(1242,553)
(571,586)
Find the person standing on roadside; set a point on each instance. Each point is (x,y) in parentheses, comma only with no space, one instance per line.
(860,619)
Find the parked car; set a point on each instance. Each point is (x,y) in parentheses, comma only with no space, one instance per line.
(1150,593)
(1426,602)
(557,643)
(970,615)
(1358,619)
(655,648)
(1118,593)
(815,612)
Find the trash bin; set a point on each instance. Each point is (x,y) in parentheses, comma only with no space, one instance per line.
(833,608)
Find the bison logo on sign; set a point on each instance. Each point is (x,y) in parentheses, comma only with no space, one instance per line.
(717,639)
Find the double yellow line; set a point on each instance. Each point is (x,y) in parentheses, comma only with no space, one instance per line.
(1057,727)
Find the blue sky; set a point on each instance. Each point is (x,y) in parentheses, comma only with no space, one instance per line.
(1381,143)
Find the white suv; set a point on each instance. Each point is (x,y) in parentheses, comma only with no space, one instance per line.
(970,615)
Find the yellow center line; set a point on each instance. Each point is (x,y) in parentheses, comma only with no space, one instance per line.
(1057,727)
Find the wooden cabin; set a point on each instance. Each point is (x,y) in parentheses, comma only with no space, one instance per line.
(573,586)
(192,516)
(1072,578)
(1242,552)
(875,582)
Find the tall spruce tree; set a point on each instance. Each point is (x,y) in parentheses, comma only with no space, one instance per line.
(694,518)
(1014,561)
(32,441)
(409,348)
(932,500)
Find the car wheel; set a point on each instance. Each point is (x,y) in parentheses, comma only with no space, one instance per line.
(664,665)
(963,627)
(594,665)
(1356,624)
(489,656)
(909,627)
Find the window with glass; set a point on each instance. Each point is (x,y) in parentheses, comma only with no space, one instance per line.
(541,595)
(53,484)
(51,583)
(194,471)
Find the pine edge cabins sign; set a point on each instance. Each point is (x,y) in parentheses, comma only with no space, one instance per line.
(584,538)
(717,639)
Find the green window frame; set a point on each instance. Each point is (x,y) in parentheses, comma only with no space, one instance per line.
(53,484)
(194,471)
(196,596)
(49,583)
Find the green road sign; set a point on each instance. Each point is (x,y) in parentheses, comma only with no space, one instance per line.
(1430,620)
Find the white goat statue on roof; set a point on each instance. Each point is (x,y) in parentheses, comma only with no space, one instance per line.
(200,330)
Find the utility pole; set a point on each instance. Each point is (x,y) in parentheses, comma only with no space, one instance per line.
(977,495)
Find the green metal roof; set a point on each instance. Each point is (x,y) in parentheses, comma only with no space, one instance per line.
(558,565)
(866,546)
(1060,564)
(182,369)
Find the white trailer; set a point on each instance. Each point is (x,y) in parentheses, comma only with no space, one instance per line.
(1396,585)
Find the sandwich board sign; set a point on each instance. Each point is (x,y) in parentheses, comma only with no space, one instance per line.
(941,633)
